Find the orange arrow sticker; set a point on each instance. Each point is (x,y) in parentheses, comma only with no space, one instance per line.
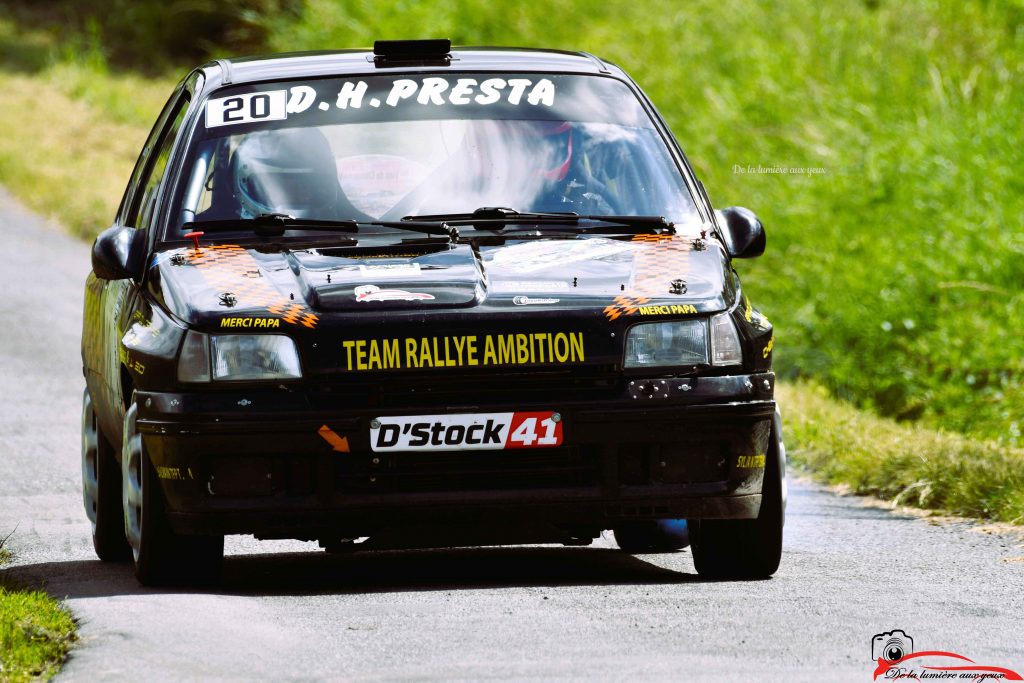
(338,443)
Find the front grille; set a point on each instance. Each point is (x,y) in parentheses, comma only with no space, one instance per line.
(467,387)
(448,471)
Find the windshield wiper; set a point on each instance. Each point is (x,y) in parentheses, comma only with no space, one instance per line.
(497,217)
(496,213)
(271,225)
(275,225)
(634,225)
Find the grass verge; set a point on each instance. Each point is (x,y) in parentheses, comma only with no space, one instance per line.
(909,465)
(36,633)
(71,131)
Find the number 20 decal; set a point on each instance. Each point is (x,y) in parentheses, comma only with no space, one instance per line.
(260,106)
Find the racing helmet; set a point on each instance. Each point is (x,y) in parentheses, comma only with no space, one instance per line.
(557,136)
(290,170)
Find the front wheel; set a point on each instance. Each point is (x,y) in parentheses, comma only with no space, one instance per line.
(161,556)
(101,489)
(747,548)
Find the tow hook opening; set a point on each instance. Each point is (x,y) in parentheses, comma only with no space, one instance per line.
(648,389)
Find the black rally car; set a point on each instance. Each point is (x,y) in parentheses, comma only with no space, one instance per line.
(424,297)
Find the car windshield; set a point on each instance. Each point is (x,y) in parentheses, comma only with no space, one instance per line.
(385,147)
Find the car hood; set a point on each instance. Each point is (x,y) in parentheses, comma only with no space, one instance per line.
(552,305)
(593,277)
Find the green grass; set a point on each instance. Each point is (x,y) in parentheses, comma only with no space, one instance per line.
(36,633)
(907,464)
(893,276)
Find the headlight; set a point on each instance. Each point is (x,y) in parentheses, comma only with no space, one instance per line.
(725,342)
(681,342)
(237,357)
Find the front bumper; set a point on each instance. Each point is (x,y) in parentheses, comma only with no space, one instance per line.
(258,462)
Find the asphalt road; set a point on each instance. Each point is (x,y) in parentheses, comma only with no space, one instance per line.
(287,611)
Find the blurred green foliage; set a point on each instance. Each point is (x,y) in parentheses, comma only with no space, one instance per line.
(895,263)
(153,35)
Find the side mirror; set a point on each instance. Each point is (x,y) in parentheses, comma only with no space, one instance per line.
(118,253)
(743,233)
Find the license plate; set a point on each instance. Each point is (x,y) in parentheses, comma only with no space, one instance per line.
(476,432)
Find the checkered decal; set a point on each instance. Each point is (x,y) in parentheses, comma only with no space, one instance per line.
(624,305)
(231,268)
(657,260)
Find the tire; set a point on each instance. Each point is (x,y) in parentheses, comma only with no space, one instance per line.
(652,536)
(101,489)
(161,556)
(747,548)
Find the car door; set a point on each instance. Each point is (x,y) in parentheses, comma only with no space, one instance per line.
(107,300)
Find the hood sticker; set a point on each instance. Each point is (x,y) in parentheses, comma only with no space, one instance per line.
(658,260)
(249,322)
(532,301)
(387,270)
(528,285)
(375,293)
(530,257)
(229,267)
